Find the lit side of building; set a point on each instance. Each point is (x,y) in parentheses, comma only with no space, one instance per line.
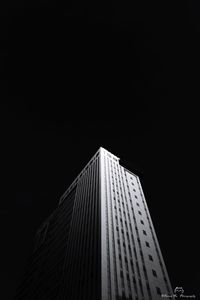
(132,263)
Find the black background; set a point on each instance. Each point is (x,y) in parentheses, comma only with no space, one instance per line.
(79,75)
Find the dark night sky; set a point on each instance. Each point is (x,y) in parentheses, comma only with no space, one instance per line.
(79,76)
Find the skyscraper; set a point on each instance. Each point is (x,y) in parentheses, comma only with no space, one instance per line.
(99,243)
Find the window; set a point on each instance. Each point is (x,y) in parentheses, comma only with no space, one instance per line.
(131,262)
(154,273)
(134,190)
(142,222)
(150,257)
(158,290)
(137,204)
(134,280)
(139,212)
(147,244)
(135,196)
(144,232)
(165,279)
(140,283)
(148,288)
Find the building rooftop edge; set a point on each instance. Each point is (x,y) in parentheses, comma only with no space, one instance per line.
(84,169)
(71,186)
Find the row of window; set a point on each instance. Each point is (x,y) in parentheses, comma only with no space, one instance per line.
(144,232)
(137,265)
(158,290)
(155,243)
(138,237)
(121,208)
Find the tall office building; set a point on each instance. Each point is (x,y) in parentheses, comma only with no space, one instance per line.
(100,243)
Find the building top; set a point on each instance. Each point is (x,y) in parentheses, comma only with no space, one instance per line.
(73,184)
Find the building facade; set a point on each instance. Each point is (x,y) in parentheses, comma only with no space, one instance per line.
(99,243)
